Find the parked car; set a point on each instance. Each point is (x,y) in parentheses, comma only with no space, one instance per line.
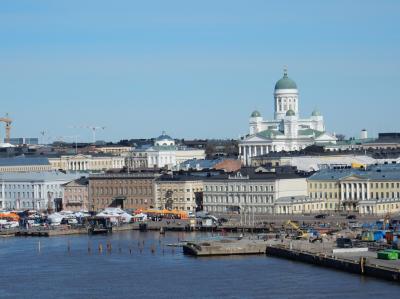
(351,217)
(320,216)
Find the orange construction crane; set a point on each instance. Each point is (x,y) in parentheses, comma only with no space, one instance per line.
(8,122)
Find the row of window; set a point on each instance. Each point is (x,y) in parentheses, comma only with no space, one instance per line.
(122,191)
(372,185)
(221,209)
(26,186)
(355,195)
(238,200)
(23,195)
(108,201)
(240,188)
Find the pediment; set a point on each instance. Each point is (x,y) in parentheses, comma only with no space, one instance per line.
(254,138)
(353,177)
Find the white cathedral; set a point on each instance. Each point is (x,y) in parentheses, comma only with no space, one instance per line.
(287,131)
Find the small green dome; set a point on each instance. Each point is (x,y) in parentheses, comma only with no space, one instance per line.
(285,83)
(316,113)
(290,112)
(256,114)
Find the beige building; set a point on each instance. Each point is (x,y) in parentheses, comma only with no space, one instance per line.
(124,190)
(76,195)
(87,162)
(179,192)
(114,150)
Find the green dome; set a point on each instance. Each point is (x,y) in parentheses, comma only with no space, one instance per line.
(285,83)
(316,113)
(290,112)
(256,114)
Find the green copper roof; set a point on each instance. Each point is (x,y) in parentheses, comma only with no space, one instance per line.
(285,83)
(269,133)
(290,112)
(310,132)
(316,113)
(256,114)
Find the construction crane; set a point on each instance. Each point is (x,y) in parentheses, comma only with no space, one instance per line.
(92,128)
(8,122)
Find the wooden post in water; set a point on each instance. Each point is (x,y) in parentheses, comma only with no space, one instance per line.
(69,246)
(89,248)
(100,248)
(39,246)
(109,247)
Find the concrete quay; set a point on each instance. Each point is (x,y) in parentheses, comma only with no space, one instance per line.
(225,246)
(354,260)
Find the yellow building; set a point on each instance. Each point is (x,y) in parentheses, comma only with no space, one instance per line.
(179,192)
(372,190)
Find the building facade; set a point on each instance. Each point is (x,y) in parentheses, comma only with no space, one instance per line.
(24,164)
(37,190)
(287,131)
(87,162)
(76,195)
(372,190)
(250,190)
(164,153)
(179,192)
(124,190)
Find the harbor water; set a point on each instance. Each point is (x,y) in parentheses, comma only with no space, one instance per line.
(140,265)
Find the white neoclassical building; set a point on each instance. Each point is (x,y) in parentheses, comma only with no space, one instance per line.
(85,163)
(287,131)
(165,153)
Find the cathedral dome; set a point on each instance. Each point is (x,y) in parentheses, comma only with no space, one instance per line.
(316,113)
(164,136)
(285,82)
(290,112)
(255,114)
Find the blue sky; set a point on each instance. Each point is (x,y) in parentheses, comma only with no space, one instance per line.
(196,69)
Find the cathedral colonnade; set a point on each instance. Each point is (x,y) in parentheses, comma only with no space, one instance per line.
(246,152)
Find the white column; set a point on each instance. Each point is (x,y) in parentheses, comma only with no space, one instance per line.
(262,150)
(368,191)
(362,191)
(244,155)
(341,192)
(357,191)
(352,191)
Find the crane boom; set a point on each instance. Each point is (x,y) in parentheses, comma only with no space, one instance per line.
(8,122)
